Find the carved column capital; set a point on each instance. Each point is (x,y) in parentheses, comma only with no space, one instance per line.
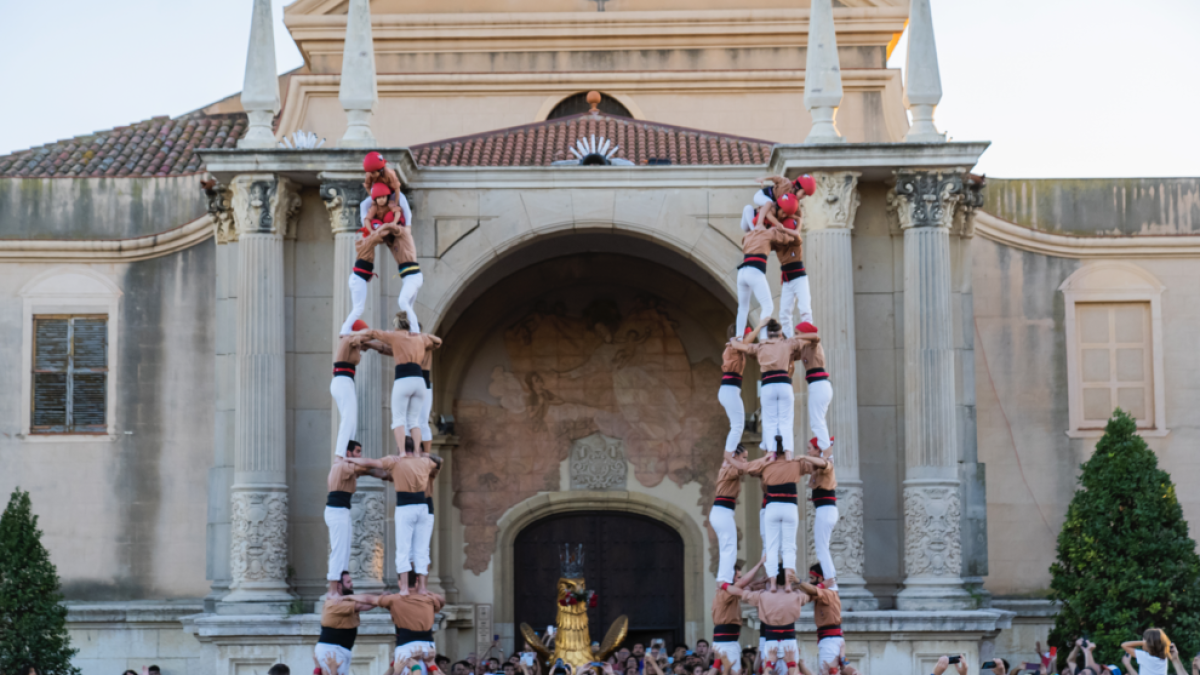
(265,204)
(925,198)
(964,215)
(834,203)
(342,199)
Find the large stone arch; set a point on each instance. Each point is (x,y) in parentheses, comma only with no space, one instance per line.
(550,503)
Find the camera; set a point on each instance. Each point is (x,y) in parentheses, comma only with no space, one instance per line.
(988,665)
(954,659)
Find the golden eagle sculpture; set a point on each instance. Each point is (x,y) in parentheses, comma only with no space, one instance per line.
(573,642)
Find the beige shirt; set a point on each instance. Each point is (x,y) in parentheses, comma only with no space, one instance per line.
(729,482)
(782,471)
(409,473)
(340,612)
(733,361)
(828,611)
(790,252)
(726,608)
(773,353)
(759,240)
(776,609)
(406,347)
(810,351)
(348,350)
(343,476)
(364,249)
(413,611)
(387,176)
(823,478)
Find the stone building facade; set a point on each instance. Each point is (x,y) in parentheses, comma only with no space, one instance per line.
(971,330)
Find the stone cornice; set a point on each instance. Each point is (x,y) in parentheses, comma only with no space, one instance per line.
(1067,246)
(875,161)
(107,250)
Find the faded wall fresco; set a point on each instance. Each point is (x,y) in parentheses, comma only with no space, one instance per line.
(624,376)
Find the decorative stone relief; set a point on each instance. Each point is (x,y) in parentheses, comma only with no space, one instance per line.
(219,210)
(342,199)
(259,537)
(846,543)
(932,531)
(925,198)
(964,215)
(598,463)
(834,202)
(368,517)
(265,204)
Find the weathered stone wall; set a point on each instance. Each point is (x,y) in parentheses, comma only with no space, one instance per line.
(1095,206)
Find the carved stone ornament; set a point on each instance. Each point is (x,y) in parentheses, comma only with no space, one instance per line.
(834,202)
(598,463)
(368,517)
(219,209)
(846,543)
(265,204)
(964,215)
(259,547)
(342,199)
(932,531)
(926,198)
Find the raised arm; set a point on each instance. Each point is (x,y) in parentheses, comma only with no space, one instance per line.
(381,347)
(434,341)
(372,334)
(740,464)
(376,236)
(809,589)
(1087,656)
(1128,662)
(740,346)
(403,202)
(365,461)
(1127,646)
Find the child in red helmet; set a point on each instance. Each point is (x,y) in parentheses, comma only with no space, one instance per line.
(383,208)
(803,186)
(756,245)
(379,172)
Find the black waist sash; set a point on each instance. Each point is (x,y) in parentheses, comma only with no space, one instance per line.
(784,492)
(727,502)
(792,271)
(769,632)
(727,632)
(732,379)
(429,503)
(408,370)
(832,630)
(776,377)
(816,375)
(428,382)
(823,497)
(408,269)
(342,637)
(756,260)
(405,636)
(364,269)
(343,368)
(339,500)
(409,498)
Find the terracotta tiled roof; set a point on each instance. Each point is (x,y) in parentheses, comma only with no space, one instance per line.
(640,142)
(160,146)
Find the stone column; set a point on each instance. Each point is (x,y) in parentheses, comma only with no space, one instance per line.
(828,221)
(264,207)
(368,510)
(444,524)
(925,203)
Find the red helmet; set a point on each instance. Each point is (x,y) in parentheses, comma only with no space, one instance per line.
(806,183)
(806,327)
(380,190)
(788,204)
(790,223)
(373,162)
(358,325)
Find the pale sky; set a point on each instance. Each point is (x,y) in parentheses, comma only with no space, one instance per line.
(1062,88)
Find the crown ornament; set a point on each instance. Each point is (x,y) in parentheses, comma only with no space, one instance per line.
(571,560)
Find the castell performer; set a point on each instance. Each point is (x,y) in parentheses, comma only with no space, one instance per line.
(827,614)
(727,617)
(752,273)
(427,406)
(345,361)
(775,358)
(781,517)
(778,610)
(377,171)
(422,551)
(780,186)
(364,269)
(413,614)
(820,391)
(408,389)
(795,292)
(729,484)
(823,481)
(733,364)
(343,483)
(339,623)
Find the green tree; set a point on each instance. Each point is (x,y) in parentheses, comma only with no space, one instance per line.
(1125,560)
(33,621)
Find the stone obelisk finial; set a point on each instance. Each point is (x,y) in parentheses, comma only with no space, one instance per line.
(358,93)
(260,90)
(923,90)
(822,75)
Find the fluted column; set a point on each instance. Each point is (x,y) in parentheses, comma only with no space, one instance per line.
(923,79)
(368,510)
(828,221)
(444,524)
(358,92)
(264,206)
(822,75)
(260,87)
(925,203)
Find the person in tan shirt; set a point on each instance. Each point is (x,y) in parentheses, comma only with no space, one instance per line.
(377,171)
(752,273)
(820,391)
(413,614)
(778,611)
(727,616)
(775,356)
(825,515)
(343,483)
(404,252)
(794,292)
(721,516)
(827,614)
(802,187)
(427,405)
(781,516)
(729,394)
(364,269)
(339,625)
(345,362)
(408,349)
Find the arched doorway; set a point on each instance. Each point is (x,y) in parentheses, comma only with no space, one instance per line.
(634,563)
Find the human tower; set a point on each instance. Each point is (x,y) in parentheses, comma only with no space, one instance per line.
(769,225)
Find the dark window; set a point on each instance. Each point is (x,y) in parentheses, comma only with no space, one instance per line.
(70,374)
(577,103)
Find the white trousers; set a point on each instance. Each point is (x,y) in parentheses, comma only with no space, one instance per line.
(779,414)
(423,535)
(750,281)
(408,525)
(358,302)
(426,411)
(782,521)
(748,215)
(773,649)
(795,294)
(340,533)
(412,648)
(761,199)
(731,399)
(408,296)
(346,397)
(820,393)
(408,397)
(829,652)
(723,524)
(340,654)
(729,652)
(824,520)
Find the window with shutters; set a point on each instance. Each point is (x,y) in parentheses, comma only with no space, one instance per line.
(70,374)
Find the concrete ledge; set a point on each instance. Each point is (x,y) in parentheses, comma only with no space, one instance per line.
(147,611)
(377,622)
(1027,608)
